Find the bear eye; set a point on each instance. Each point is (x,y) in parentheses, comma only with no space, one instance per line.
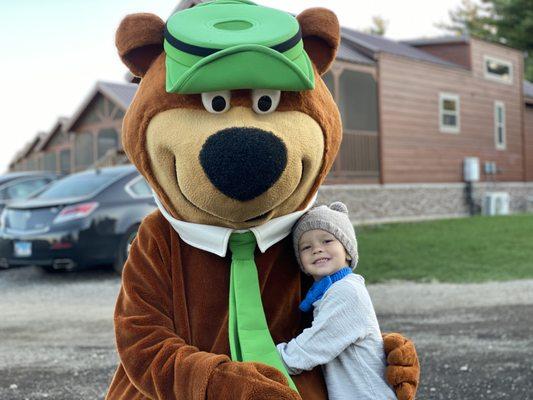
(265,101)
(216,102)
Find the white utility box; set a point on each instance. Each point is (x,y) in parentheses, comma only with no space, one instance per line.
(471,169)
(496,203)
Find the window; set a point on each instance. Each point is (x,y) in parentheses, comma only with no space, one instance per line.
(138,188)
(499,125)
(119,115)
(49,161)
(355,92)
(498,70)
(22,190)
(84,151)
(31,164)
(64,161)
(358,101)
(449,111)
(107,139)
(78,185)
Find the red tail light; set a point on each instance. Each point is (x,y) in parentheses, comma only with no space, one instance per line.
(75,212)
(61,245)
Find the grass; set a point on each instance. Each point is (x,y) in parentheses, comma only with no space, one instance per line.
(457,250)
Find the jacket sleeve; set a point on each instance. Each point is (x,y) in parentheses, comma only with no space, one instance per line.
(157,361)
(343,318)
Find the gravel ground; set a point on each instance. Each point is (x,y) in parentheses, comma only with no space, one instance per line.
(474,341)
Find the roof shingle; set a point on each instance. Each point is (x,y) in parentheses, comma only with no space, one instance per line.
(370,45)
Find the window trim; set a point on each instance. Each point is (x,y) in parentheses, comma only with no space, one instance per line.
(447,128)
(494,77)
(497,124)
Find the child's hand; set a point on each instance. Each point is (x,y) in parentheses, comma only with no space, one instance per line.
(247,381)
(403,368)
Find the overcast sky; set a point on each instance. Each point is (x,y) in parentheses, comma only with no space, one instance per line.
(53,51)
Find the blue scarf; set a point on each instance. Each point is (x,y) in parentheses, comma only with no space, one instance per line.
(319,288)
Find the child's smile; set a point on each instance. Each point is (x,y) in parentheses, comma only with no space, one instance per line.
(321,253)
(321,260)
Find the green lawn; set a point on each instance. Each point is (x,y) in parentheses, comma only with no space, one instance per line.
(457,250)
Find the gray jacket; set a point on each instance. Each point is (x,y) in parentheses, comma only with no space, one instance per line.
(346,340)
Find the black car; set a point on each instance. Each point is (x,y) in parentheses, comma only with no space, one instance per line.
(21,185)
(86,219)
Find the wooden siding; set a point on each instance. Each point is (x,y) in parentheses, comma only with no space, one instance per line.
(457,53)
(413,148)
(101,114)
(60,141)
(528,127)
(481,49)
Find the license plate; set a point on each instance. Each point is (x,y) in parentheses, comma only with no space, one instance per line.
(22,249)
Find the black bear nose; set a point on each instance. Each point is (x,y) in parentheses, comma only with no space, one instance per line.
(243,163)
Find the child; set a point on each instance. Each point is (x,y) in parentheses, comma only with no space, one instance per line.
(345,337)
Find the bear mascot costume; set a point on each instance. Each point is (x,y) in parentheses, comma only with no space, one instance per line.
(234,130)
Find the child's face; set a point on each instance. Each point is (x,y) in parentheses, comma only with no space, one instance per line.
(321,253)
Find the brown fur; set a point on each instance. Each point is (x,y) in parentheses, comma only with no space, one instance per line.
(152,99)
(320,31)
(171,322)
(139,40)
(171,314)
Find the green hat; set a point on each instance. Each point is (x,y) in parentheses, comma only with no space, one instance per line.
(235,44)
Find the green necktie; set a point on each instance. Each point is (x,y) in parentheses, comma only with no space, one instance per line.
(249,337)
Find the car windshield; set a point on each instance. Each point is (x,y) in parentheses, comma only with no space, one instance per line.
(78,185)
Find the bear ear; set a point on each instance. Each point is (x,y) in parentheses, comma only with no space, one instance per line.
(139,40)
(321,36)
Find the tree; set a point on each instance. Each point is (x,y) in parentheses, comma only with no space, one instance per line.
(509,22)
(379,26)
(470,18)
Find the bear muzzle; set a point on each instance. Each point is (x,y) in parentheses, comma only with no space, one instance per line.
(243,162)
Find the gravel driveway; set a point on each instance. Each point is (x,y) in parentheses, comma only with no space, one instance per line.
(474,341)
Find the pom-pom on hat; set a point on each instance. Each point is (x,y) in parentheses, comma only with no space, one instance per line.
(333,219)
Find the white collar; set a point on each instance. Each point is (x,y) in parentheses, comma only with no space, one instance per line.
(215,238)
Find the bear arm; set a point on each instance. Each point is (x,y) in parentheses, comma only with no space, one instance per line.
(159,363)
(403,367)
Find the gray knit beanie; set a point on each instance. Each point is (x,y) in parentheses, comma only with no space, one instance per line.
(333,219)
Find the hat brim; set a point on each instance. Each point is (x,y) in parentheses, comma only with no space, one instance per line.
(249,66)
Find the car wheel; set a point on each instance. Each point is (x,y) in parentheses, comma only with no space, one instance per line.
(124,248)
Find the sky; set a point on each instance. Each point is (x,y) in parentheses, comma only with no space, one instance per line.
(53,51)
